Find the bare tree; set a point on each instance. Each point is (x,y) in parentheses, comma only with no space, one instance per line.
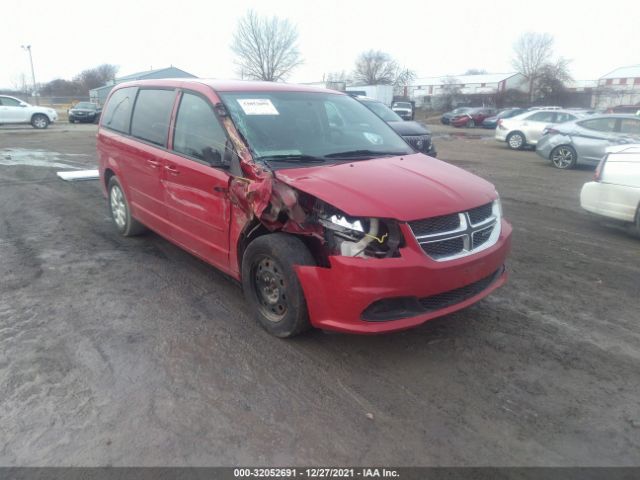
(550,84)
(266,48)
(476,71)
(451,91)
(375,68)
(404,77)
(96,77)
(531,52)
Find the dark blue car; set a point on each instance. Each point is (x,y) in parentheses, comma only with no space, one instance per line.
(492,122)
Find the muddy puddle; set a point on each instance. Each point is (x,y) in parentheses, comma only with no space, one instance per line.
(41,158)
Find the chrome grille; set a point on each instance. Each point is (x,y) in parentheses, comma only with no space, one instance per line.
(457,235)
(432,225)
(421,143)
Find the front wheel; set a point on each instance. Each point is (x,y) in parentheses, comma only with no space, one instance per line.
(564,157)
(271,285)
(40,121)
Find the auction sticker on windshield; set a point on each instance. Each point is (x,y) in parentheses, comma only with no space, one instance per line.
(257,106)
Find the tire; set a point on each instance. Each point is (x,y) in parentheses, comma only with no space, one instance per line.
(72,120)
(563,157)
(516,140)
(40,121)
(471,123)
(120,212)
(271,285)
(634,228)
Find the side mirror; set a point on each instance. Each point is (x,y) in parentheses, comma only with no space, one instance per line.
(214,158)
(22,104)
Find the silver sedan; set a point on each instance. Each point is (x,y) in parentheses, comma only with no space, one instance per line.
(585,140)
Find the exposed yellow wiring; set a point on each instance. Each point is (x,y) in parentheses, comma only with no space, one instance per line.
(379,240)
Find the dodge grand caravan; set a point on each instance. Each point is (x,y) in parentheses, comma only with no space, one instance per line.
(341,227)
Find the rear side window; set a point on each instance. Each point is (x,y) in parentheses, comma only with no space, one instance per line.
(542,117)
(198,133)
(117,112)
(630,126)
(599,124)
(564,117)
(151,115)
(9,102)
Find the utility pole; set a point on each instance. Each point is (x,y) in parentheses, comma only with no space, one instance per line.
(33,74)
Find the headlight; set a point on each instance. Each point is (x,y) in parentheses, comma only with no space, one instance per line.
(497,207)
(359,237)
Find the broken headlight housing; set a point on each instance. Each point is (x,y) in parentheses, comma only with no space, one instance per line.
(359,237)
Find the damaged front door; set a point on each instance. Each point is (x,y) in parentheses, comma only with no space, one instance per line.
(196,193)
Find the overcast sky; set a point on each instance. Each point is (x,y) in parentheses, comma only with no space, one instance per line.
(431,38)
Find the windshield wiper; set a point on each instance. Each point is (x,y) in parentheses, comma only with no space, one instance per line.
(292,157)
(364,153)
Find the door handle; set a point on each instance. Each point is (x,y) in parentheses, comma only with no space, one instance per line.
(219,189)
(172,169)
(153,163)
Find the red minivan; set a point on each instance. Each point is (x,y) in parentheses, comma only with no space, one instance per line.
(325,214)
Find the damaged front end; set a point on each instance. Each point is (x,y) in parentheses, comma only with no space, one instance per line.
(266,204)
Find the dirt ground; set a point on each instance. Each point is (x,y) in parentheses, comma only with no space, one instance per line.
(120,351)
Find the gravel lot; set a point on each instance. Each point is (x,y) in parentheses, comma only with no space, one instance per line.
(119,351)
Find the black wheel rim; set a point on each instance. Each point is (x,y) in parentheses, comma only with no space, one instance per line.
(269,287)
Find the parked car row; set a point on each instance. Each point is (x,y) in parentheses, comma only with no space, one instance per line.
(527,128)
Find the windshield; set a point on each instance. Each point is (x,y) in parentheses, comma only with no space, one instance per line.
(461,110)
(85,105)
(402,105)
(384,112)
(304,127)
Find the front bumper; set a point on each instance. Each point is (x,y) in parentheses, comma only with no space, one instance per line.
(338,296)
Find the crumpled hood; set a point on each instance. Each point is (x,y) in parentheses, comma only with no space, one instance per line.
(404,188)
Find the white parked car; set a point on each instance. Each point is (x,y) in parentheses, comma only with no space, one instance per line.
(526,128)
(14,110)
(615,191)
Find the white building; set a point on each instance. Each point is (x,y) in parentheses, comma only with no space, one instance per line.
(619,87)
(425,91)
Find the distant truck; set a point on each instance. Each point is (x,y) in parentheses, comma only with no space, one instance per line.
(382,93)
(403,109)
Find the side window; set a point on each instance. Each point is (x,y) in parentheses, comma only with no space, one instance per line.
(630,126)
(542,117)
(151,115)
(564,117)
(117,112)
(599,124)
(198,133)
(10,102)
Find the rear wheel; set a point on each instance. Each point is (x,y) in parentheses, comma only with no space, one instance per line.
(516,141)
(120,211)
(564,157)
(271,285)
(40,121)
(635,227)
